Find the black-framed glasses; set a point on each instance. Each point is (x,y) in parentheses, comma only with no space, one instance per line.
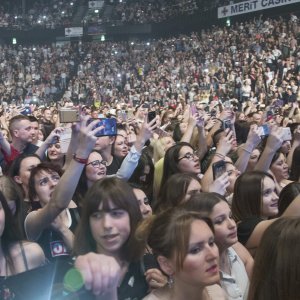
(97,163)
(188,156)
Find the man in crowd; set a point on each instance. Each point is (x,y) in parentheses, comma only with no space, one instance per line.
(48,126)
(21,134)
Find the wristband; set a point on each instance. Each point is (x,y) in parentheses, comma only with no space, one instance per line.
(220,155)
(248,151)
(80,160)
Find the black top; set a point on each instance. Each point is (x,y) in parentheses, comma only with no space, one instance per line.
(52,242)
(48,127)
(246,227)
(114,166)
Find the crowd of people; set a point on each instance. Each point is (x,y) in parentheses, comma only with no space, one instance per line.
(60,13)
(187,186)
(40,13)
(137,12)
(253,60)
(152,11)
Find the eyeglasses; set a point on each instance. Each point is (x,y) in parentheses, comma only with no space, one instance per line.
(57,146)
(188,156)
(97,163)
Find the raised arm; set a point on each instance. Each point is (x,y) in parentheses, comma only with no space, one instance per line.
(38,220)
(223,147)
(52,138)
(295,144)
(4,144)
(274,142)
(132,158)
(246,149)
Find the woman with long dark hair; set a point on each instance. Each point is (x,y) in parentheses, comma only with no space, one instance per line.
(109,219)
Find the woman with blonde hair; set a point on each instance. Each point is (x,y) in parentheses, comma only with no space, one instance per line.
(160,146)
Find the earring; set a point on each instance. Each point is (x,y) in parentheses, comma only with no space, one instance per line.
(170,281)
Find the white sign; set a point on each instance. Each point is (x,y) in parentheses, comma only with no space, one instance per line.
(251,6)
(96,4)
(74,31)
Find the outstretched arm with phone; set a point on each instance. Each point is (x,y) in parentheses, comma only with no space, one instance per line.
(132,158)
(246,149)
(223,147)
(274,142)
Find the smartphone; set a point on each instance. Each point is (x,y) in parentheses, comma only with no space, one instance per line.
(213,113)
(287,135)
(151,116)
(26,111)
(68,115)
(109,124)
(122,115)
(219,168)
(149,262)
(135,103)
(264,130)
(193,109)
(227,124)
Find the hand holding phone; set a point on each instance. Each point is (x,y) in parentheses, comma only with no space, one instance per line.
(151,116)
(219,168)
(227,124)
(287,135)
(264,130)
(109,124)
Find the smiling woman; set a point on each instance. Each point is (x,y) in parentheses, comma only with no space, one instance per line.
(255,207)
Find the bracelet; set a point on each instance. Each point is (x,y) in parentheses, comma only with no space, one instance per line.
(220,155)
(80,160)
(248,151)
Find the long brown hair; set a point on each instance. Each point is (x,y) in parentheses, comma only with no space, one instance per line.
(247,195)
(276,273)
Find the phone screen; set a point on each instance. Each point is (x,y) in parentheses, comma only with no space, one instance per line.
(219,168)
(227,124)
(109,124)
(151,116)
(193,109)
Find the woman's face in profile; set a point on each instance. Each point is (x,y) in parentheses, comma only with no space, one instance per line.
(280,168)
(188,162)
(253,159)
(269,198)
